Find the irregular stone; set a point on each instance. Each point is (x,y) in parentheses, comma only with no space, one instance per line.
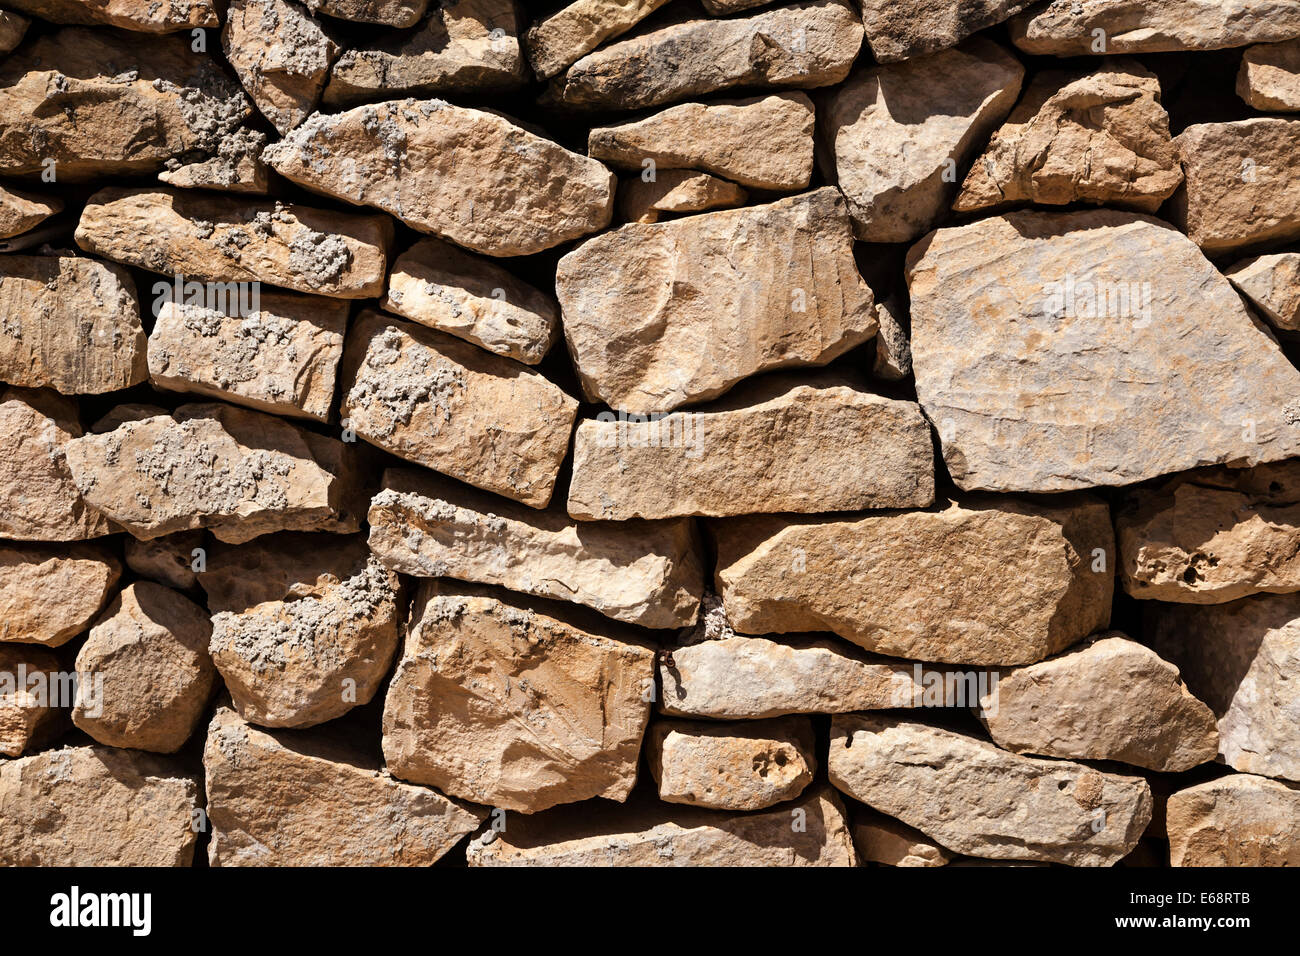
(97,806)
(882,839)
(474,299)
(723,7)
(656,316)
(99,103)
(238,472)
(169,560)
(763,142)
(237,167)
(344,810)
(167,16)
(442,403)
(899,29)
(304,627)
(392,13)
(893,361)
(981,801)
(556,41)
(896,135)
(749,766)
(515,704)
(41,499)
(1272,283)
(279,357)
(1269,77)
(71,324)
(1241,659)
(1240,189)
(802,45)
(649,833)
(746,678)
(281,55)
(1102,138)
(779,444)
(21,210)
(986,581)
(127,412)
(50,593)
(484,183)
(646,573)
(145,673)
(1111,699)
(12,28)
(1069,27)
(225,239)
(675,191)
(29,714)
(1238,820)
(463,46)
(1021,406)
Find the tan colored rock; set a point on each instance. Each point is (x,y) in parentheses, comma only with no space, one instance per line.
(1269,77)
(893,361)
(801,45)
(898,135)
(145,675)
(987,581)
(311,799)
(1102,138)
(281,55)
(239,472)
(393,13)
(747,766)
(641,572)
(1272,283)
(97,806)
(169,560)
(1242,659)
(101,103)
(656,316)
(1238,820)
(675,191)
(484,183)
(71,324)
(779,444)
(166,16)
(763,142)
(21,210)
(50,593)
(237,167)
(281,356)
(901,29)
(12,28)
(304,627)
(556,41)
(981,801)
(513,703)
(41,499)
(436,284)
(1111,699)
(1020,405)
(30,689)
(1069,27)
(225,239)
(445,404)
(462,46)
(882,839)
(650,833)
(1240,189)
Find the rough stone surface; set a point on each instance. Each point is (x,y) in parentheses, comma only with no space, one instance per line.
(166,16)
(28,713)
(900,29)
(987,581)
(1272,283)
(237,167)
(898,135)
(1020,405)
(1269,78)
(656,316)
(981,801)
(50,593)
(21,210)
(641,572)
(392,13)
(893,361)
(1238,820)
(675,191)
(882,839)
(483,182)
(560,39)
(754,451)
(169,560)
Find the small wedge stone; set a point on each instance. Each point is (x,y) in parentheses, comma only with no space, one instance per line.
(675,191)
(1269,78)
(1272,283)
(21,210)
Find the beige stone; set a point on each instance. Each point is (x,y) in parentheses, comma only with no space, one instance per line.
(145,675)
(882,839)
(97,806)
(515,703)
(21,210)
(675,191)
(1238,820)
(981,801)
(436,284)
(279,356)
(641,572)
(901,29)
(445,404)
(228,239)
(779,444)
(763,142)
(483,182)
(393,13)
(898,135)
(893,360)
(656,316)
(304,627)
(30,682)
(1269,77)
(985,581)
(313,799)
(1272,283)
(50,593)
(554,42)
(239,472)
(144,16)
(71,324)
(237,167)
(12,28)
(649,833)
(169,560)
(1020,405)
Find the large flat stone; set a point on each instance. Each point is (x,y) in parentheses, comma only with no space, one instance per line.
(900,29)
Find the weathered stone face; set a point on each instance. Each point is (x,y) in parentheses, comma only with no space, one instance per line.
(50,593)
(29,713)
(882,839)
(1272,283)
(901,29)
(392,13)
(554,42)
(237,167)
(1269,78)
(167,16)
(21,210)
(675,191)
(1238,820)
